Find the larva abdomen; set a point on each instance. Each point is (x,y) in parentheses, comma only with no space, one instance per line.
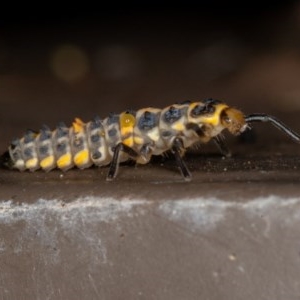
(81,145)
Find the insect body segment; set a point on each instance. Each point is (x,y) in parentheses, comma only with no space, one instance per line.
(133,135)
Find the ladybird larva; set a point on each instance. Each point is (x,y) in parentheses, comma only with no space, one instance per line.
(135,135)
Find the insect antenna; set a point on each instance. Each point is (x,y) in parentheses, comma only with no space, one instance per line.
(275,122)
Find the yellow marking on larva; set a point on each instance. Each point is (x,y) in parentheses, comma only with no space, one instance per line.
(47,162)
(179,126)
(138,140)
(81,158)
(31,163)
(215,118)
(64,161)
(128,141)
(78,125)
(127,122)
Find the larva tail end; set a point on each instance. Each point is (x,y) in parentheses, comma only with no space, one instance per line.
(5,161)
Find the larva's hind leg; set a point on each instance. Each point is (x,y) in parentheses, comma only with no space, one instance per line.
(222,146)
(145,154)
(114,165)
(178,150)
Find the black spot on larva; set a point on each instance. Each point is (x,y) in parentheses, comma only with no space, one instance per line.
(61,147)
(112,132)
(147,121)
(96,123)
(95,138)
(45,133)
(29,136)
(77,142)
(96,155)
(43,150)
(14,143)
(204,109)
(112,118)
(27,152)
(166,134)
(172,115)
(62,130)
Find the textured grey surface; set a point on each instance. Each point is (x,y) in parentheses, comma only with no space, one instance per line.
(228,234)
(198,248)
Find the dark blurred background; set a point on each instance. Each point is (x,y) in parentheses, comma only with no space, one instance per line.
(58,63)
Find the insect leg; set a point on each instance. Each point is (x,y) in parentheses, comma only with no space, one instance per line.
(177,150)
(113,169)
(275,122)
(145,154)
(222,147)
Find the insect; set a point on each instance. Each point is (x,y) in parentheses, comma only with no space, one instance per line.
(135,135)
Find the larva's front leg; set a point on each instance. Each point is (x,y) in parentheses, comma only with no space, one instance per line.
(222,146)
